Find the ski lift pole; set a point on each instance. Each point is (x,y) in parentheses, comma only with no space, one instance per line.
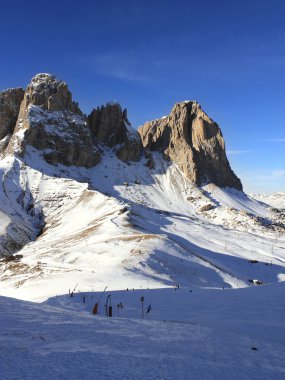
(110,311)
(72,293)
(101,295)
(118,307)
(95,309)
(108,306)
(142,301)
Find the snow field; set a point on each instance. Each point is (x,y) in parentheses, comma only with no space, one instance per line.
(205,334)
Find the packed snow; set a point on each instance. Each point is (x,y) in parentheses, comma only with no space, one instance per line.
(188,334)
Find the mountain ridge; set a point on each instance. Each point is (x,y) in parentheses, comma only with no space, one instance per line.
(45,95)
(130,224)
(192,140)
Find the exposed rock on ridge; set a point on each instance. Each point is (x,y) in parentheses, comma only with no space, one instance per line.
(50,93)
(45,117)
(110,126)
(194,142)
(10,101)
(51,122)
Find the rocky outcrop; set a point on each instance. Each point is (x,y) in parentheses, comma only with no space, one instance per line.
(51,122)
(46,118)
(50,93)
(109,125)
(194,142)
(10,101)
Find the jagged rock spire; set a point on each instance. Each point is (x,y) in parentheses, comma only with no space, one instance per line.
(194,142)
(110,125)
(50,93)
(52,123)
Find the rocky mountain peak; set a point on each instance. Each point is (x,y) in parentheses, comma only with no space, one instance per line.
(50,93)
(109,125)
(192,140)
(51,122)
(46,118)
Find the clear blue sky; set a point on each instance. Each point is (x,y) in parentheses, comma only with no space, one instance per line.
(227,54)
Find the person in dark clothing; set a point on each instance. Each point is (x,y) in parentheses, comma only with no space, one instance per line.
(148,309)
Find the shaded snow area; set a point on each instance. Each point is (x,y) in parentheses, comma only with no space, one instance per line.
(126,226)
(203,334)
(132,133)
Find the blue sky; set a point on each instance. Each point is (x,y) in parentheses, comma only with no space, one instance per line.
(228,55)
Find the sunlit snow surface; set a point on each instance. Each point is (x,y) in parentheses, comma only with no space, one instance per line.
(126,226)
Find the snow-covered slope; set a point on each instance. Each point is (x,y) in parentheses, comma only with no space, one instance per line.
(275,200)
(83,206)
(129,226)
(203,334)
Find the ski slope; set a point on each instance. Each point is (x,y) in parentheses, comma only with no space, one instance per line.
(203,334)
(140,232)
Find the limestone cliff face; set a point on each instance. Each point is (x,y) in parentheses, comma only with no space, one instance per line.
(194,142)
(51,122)
(46,118)
(109,125)
(50,93)
(10,101)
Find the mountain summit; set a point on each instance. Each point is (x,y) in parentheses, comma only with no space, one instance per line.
(193,141)
(89,200)
(46,118)
(51,122)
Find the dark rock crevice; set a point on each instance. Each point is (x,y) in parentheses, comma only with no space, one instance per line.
(10,102)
